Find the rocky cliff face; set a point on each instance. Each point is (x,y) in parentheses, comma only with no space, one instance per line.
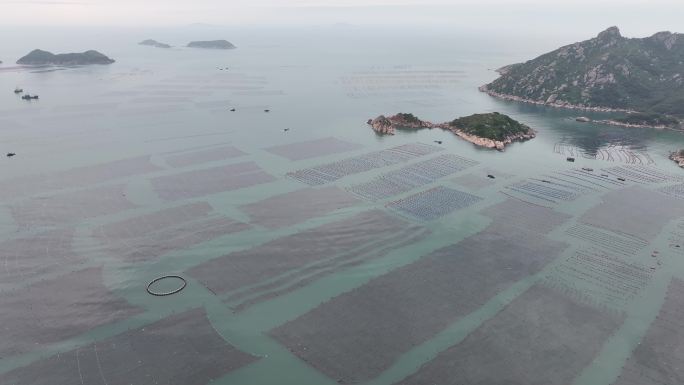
(40,57)
(608,72)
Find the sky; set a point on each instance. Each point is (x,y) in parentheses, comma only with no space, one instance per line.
(637,17)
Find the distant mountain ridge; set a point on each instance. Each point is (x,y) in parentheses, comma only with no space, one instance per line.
(608,72)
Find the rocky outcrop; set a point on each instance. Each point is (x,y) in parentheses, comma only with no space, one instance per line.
(609,73)
(401,121)
(678,157)
(212,44)
(491,143)
(154,43)
(40,57)
(502,129)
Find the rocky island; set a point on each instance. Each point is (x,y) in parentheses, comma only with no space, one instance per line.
(40,57)
(212,44)
(607,73)
(678,157)
(491,130)
(154,43)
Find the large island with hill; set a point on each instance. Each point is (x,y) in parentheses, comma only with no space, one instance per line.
(491,130)
(212,44)
(643,78)
(40,57)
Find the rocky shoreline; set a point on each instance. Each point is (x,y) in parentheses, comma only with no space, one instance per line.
(565,105)
(610,122)
(678,157)
(383,125)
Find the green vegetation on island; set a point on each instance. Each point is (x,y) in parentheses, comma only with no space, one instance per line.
(608,72)
(494,126)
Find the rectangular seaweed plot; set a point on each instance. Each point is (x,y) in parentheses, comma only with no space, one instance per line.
(537,219)
(182,349)
(56,309)
(356,336)
(642,174)
(540,338)
(472,181)
(77,177)
(331,172)
(587,180)
(658,359)
(410,177)
(635,211)
(599,278)
(33,256)
(675,191)
(434,203)
(298,206)
(152,235)
(71,206)
(313,148)
(282,255)
(191,184)
(546,191)
(203,156)
(621,244)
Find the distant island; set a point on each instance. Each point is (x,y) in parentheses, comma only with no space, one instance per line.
(154,43)
(212,44)
(607,73)
(678,157)
(491,130)
(40,57)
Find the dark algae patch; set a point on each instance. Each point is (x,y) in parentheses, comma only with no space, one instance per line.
(56,309)
(160,353)
(357,335)
(540,338)
(658,358)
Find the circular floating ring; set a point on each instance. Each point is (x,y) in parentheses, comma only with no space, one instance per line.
(165,293)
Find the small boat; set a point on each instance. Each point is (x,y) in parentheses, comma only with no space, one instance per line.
(621,179)
(286,129)
(587,169)
(267,110)
(232,110)
(29,97)
(18,90)
(490,176)
(438,141)
(570,159)
(10,154)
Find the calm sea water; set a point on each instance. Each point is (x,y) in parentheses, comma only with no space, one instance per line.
(169,108)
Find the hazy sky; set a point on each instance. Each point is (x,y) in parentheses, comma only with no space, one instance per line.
(634,16)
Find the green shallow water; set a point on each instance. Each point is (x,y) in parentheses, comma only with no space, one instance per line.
(159,102)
